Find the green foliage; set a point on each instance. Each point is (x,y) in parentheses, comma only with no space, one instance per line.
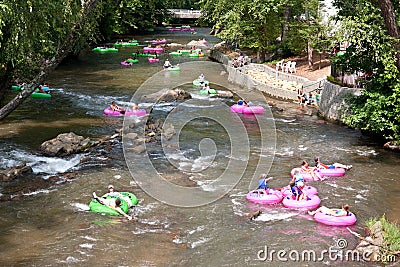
(391,233)
(371,51)
(334,80)
(32,31)
(258,24)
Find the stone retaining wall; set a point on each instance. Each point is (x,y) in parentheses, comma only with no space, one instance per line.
(332,105)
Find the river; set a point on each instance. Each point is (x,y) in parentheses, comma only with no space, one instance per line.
(52,226)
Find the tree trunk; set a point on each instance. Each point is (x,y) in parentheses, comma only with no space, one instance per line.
(260,55)
(62,52)
(392,27)
(320,61)
(310,55)
(309,47)
(285,26)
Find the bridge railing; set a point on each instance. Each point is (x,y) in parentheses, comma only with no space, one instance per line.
(184,11)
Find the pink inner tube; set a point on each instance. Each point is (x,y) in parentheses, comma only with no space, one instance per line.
(124,63)
(253,110)
(150,59)
(237,108)
(152,49)
(308,190)
(323,172)
(312,203)
(138,112)
(335,221)
(269,196)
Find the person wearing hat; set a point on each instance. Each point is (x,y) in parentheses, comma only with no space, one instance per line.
(113,193)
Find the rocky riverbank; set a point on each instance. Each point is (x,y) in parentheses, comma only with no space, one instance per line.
(19,181)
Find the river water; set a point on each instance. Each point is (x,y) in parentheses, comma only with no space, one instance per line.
(52,226)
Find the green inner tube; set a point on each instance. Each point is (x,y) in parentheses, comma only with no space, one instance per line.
(36,94)
(211,92)
(185,51)
(131,196)
(111,49)
(197,82)
(105,49)
(96,206)
(175,54)
(16,87)
(143,55)
(194,55)
(173,68)
(132,60)
(130,44)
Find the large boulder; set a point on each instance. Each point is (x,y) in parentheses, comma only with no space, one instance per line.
(166,95)
(66,144)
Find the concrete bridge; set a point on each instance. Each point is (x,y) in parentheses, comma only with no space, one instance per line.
(185,13)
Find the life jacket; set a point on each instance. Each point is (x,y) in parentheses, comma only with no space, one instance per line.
(262,184)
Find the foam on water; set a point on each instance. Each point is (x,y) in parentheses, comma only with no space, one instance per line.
(80,206)
(201,241)
(42,164)
(86,245)
(41,191)
(266,217)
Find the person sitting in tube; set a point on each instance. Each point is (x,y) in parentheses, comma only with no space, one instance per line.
(335,165)
(344,211)
(167,64)
(201,78)
(313,171)
(112,193)
(135,106)
(263,181)
(115,107)
(207,88)
(297,176)
(114,203)
(297,190)
(242,102)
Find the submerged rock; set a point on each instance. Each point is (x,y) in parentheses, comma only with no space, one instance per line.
(66,144)
(166,95)
(392,146)
(11,173)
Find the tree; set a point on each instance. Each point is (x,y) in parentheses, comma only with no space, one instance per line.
(252,24)
(373,51)
(391,24)
(71,37)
